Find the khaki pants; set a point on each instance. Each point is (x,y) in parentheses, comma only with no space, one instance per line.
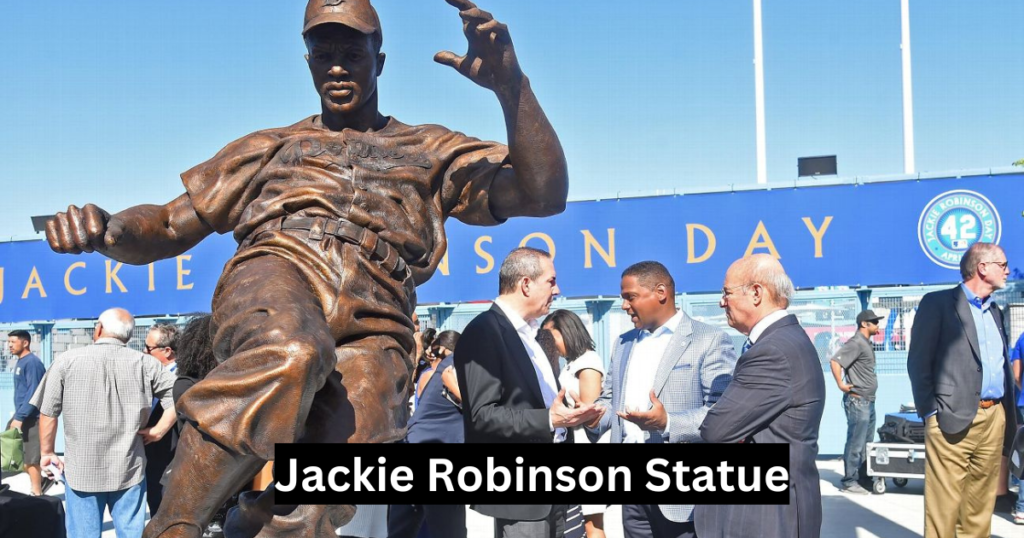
(961,472)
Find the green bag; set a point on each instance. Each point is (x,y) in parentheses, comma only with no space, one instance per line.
(12,451)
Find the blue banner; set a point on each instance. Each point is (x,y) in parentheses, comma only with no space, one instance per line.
(874,234)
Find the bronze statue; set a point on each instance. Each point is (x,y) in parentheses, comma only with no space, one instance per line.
(338,218)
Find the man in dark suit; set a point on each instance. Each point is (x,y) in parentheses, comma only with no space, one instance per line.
(509,391)
(963,388)
(777,395)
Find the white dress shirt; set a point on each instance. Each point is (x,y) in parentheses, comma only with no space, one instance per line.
(765,322)
(541,367)
(644,359)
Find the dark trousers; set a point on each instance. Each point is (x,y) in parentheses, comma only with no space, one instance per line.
(158,458)
(647,521)
(551,527)
(443,520)
(860,430)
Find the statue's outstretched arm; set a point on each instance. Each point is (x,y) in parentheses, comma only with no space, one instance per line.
(138,235)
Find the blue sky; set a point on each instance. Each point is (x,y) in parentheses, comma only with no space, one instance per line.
(107,102)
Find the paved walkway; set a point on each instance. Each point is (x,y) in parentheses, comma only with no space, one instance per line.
(899,513)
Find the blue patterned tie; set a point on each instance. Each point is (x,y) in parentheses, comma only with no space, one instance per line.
(746,346)
(574,522)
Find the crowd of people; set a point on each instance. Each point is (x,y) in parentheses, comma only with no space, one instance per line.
(673,379)
(338,218)
(522,373)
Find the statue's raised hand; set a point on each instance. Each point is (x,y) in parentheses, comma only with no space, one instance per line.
(85,229)
(491,59)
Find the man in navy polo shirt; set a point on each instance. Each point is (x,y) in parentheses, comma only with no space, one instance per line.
(28,371)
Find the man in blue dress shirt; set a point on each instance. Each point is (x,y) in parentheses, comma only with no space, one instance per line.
(963,388)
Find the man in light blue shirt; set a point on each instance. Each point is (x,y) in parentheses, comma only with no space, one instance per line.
(990,344)
(963,388)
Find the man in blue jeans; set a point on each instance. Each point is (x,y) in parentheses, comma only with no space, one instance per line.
(1017,364)
(105,392)
(857,358)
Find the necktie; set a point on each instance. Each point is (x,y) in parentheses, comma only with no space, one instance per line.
(746,346)
(574,522)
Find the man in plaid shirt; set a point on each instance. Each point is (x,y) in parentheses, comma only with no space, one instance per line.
(105,391)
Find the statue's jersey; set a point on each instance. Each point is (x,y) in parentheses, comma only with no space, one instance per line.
(400,181)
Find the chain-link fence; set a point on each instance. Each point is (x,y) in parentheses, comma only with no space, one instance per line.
(898,307)
(828,318)
(1011,299)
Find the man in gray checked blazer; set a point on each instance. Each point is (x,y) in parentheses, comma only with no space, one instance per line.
(664,376)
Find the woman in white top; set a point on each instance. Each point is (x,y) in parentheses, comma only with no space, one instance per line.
(582,375)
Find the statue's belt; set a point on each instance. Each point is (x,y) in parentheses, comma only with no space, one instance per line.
(369,241)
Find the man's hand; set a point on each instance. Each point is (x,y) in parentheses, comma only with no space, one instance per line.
(78,230)
(16,424)
(491,59)
(845,388)
(653,420)
(152,435)
(46,459)
(563,416)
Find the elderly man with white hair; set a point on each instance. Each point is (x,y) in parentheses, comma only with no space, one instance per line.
(105,392)
(777,395)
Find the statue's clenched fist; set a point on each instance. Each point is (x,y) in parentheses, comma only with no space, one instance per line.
(85,229)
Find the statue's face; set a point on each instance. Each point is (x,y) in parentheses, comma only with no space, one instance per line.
(344,66)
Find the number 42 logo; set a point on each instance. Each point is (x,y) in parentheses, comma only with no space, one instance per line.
(952,222)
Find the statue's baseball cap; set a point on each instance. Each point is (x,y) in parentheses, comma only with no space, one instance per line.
(356,14)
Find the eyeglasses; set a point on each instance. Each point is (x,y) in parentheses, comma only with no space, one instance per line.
(1002,265)
(726,290)
(149,349)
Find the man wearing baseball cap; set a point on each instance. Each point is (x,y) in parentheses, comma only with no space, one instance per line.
(857,357)
(338,218)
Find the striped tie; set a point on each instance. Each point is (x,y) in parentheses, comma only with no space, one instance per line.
(746,346)
(574,522)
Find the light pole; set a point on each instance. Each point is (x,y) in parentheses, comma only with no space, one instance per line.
(762,159)
(908,91)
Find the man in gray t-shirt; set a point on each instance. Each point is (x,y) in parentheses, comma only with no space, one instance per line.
(857,357)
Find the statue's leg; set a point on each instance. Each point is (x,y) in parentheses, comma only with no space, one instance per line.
(203,476)
(367,403)
(269,323)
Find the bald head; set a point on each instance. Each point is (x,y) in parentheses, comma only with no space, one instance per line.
(765,270)
(116,323)
(754,287)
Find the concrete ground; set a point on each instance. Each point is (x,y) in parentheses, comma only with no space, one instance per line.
(899,513)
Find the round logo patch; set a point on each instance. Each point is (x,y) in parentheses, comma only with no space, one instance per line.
(952,222)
